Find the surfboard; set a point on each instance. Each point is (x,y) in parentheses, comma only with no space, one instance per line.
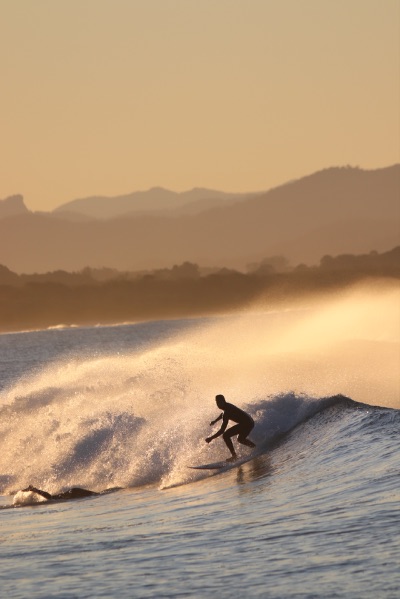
(225,464)
(213,466)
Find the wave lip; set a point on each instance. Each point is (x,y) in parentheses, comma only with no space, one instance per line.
(280,414)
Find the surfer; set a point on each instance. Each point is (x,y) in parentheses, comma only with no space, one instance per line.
(243,427)
(74,493)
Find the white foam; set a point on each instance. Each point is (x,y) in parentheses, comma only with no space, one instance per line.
(27,498)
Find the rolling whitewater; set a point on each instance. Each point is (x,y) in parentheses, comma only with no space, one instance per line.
(124,412)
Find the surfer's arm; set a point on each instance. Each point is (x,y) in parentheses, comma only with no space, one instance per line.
(38,492)
(224,424)
(216,420)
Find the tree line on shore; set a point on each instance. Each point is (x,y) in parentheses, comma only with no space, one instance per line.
(105,296)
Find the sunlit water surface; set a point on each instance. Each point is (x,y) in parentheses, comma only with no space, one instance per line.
(315,514)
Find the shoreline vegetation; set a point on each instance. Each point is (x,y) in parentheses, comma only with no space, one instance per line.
(108,297)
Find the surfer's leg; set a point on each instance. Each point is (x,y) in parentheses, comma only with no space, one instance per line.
(242,437)
(231,432)
(246,442)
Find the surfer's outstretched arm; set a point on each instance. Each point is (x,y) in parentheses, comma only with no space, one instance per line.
(221,430)
(216,420)
(38,492)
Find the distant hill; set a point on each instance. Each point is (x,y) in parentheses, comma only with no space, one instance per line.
(155,201)
(337,210)
(13,206)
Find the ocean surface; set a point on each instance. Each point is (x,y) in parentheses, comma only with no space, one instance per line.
(124,411)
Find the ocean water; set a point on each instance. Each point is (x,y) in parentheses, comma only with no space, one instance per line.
(124,411)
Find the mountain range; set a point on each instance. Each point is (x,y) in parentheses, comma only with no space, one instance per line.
(336,210)
(155,201)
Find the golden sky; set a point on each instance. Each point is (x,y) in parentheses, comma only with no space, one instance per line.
(113,96)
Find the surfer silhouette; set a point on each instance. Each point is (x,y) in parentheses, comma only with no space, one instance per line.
(243,427)
(74,493)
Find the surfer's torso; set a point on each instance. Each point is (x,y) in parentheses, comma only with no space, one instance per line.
(235,414)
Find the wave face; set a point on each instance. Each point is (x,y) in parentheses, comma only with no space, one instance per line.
(96,445)
(130,406)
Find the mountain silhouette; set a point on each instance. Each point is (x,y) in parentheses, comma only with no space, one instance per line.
(154,201)
(337,210)
(13,206)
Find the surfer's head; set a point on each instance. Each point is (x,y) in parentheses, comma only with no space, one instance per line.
(220,399)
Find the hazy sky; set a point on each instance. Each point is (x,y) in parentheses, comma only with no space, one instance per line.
(112,96)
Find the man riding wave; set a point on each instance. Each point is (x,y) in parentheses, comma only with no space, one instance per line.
(243,427)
